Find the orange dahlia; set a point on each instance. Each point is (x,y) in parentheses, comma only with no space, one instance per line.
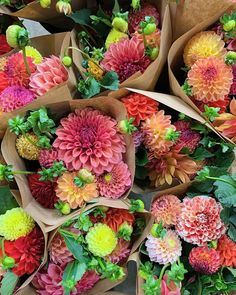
(139,106)
(155,129)
(69,192)
(153,40)
(210,79)
(203,45)
(171,166)
(227,251)
(115,217)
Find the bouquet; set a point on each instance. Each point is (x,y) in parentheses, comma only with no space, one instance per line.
(171,146)
(89,252)
(69,160)
(119,45)
(191,248)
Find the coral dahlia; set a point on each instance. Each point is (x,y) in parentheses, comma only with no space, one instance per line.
(48,74)
(169,287)
(74,195)
(115,182)
(203,45)
(210,79)
(58,250)
(227,251)
(121,253)
(164,250)
(166,210)
(140,107)
(115,217)
(88,139)
(199,221)
(154,130)
(204,260)
(4,47)
(153,40)
(47,158)
(3,81)
(126,58)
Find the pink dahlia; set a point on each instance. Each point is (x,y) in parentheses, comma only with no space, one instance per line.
(126,58)
(166,209)
(204,260)
(114,182)
(58,250)
(199,221)
(169,287)
(121,253)
(15,97)
(233,86)
(89,139)
(164,250)
(16,71)
(47,158)
(49,73)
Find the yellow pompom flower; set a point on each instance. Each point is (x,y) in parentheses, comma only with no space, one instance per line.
(15,223)
(95,70)
(114,36)
(203,45)
(101,240)
(25,148)
(34,54)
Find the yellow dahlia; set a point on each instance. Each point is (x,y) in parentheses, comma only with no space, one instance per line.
(74,195)
(3,61)
(95,70)
(34,54)
(154,130)
(26,146)
(210,79)
(15,223)
(101,240)
(203,45)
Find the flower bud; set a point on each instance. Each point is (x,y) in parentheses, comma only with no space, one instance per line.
(120,24)
(149,29)
(45,3)
(63,7)
(126,126)
(154,230)
(126,228)
(65,209)
(67,61)
(8,262)
(12,35)
(154,53)
(86,176)
(229,25)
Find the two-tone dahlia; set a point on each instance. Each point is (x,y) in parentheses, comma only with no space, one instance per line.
(74,195)
(58,250)
(164,250)
(26,145)
(48,74)
(210,79)
(121,252)
(89,139)
(166,210)
(199,221)
(204,260)
(126,58)
(47,158)
(115,217)
(139,107)
(114,182)
(227,251)
(203,45)
(154,131)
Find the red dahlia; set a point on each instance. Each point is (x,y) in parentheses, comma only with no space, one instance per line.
(4,47)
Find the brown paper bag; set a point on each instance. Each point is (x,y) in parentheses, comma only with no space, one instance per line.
(109,106)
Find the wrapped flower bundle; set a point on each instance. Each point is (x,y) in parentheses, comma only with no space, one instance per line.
(170,146)
(192,245)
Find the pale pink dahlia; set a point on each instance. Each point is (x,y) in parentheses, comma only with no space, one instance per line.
(49,73)
(126,58)
(15,97)
(121,252)
(114,182)
(199,221)
(210,79)
(166,209)
(89,139)
(58,250)
(47,158)
(164,250)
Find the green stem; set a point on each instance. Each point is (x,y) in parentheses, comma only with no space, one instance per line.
(144,40)
(25,61)
(101,264)
(22,172)
(199,286)
(163,272)
(220,179)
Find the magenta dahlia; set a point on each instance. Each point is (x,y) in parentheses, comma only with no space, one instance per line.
(137,138)
(199,221)
(47,158)
(126,58)
(114,182)
(89,139)
(15,97)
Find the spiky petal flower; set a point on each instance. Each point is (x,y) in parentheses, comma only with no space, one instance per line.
(16,71)
(115,217)
(114,183)
(47,158)
(227,251)
(26,146)
(15,223)
(204,260)
(101,240)
(3,81)
(210,79)
(199,221)
(89,139)
(121,253)
(203,45)
(139,106)
(166,210)
(74,195)
(164,250)
(48,74)
(126,58)
(58,250)
(15,97)
(154,130)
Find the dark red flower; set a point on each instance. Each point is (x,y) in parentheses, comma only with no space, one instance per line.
(222,104)
(4,47)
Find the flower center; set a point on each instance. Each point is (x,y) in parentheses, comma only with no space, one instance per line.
(171,243)
(162,203)
(210,73)
(87,136)
(202,218)
(108,177)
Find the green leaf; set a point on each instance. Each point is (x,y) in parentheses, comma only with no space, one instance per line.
(226,190)
(8,283)
(110,81)
(116,8)
(232,270)
(75,248)
(141,157)
(232,232)
(201,153)
(89,88)
(81,17)
(232,219)
(7,200)
(81,269)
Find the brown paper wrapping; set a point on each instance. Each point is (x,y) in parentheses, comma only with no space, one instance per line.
(148,79)
(50,217)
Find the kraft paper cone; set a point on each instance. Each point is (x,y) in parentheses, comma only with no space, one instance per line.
(50,217)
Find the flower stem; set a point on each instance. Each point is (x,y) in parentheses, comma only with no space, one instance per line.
(163,272)
(25,61)
(199,286)
(21,172)
(220,179)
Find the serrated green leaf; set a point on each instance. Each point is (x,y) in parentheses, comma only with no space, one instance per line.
(232,232)
(8,283)
(7,200)
(201,153)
